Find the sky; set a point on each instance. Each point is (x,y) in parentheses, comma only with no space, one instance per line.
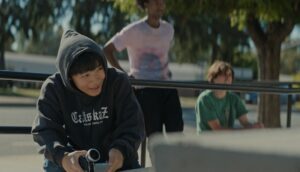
(296,32)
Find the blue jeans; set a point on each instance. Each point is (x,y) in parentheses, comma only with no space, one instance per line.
(50,166)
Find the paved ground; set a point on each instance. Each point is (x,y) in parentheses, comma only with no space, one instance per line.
(18,152)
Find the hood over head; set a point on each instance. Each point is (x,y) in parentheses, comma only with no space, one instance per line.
(73,44)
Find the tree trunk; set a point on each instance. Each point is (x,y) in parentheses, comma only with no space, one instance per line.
(2,61)
(268,42)
(2,44)
(269,66)
(2,64)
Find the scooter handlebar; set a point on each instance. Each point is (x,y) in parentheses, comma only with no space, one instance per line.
(91,157)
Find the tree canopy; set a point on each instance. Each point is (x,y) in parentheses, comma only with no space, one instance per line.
(27,16)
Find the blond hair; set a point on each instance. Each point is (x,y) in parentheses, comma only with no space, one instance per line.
(218,68)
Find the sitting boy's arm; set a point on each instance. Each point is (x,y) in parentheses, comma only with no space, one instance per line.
(215,125)
(47,128)
(130,129)
(246,124)
(51,142)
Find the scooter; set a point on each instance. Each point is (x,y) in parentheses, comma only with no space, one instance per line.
(88,162)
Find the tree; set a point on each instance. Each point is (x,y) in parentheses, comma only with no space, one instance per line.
(97,19)
(268,24)
(204,35)
(29,17)
(47,42)
(37,25)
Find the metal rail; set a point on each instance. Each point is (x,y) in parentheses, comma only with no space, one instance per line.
(262,87)
(257,86)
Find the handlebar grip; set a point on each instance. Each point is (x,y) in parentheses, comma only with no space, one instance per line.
(92,155)
(84,164)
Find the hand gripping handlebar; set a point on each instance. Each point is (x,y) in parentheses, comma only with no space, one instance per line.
(87,162)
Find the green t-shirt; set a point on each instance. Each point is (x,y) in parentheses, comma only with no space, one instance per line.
(226,110)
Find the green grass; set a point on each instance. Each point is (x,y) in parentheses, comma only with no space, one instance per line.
(297,105)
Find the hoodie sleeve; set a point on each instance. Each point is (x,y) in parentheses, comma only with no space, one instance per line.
(130,129)
(47,129)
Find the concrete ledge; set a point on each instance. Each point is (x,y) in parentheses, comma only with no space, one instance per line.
(275,150)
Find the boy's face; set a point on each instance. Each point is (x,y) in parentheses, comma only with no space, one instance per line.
(155,8)
(224,78)
(90,82)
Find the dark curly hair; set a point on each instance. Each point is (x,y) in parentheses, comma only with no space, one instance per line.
(141,3)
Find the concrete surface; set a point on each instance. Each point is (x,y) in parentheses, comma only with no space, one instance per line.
(259,150)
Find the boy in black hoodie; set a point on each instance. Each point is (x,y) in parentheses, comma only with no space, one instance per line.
(87,105)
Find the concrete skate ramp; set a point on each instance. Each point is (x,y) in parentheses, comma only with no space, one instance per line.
(262,150)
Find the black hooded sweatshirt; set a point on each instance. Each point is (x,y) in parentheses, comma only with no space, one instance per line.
(69,120)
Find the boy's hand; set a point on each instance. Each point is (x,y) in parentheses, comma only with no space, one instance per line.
(258,125)
(70,161)
(115,161)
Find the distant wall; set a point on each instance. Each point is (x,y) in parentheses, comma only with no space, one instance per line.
(30,63)
(46,64)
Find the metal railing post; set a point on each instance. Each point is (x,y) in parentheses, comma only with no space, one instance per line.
(289,109)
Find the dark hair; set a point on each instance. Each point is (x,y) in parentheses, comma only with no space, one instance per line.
(85,62)
(141,3)
(218,68)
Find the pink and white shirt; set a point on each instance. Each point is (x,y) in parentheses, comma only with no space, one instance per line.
(147,48)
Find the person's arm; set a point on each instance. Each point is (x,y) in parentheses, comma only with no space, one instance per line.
(215,125)
(47,129)
(116,160)
(246,124)
(109,50)
(242,115)
(129,121)
(70,162)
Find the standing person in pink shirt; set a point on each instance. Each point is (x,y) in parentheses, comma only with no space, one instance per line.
(147,42)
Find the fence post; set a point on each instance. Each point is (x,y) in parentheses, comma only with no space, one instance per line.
(289,109)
